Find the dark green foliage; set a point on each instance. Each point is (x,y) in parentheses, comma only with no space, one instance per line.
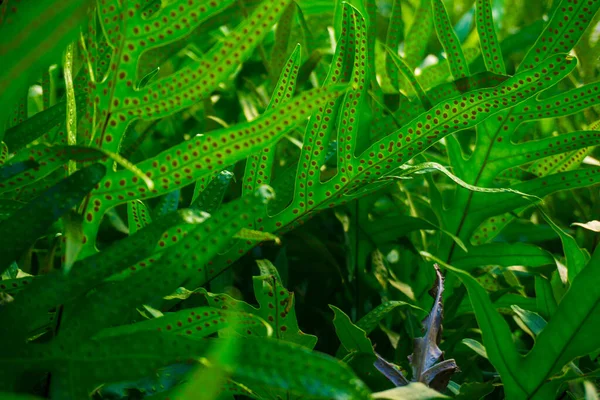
(23,227)
(242,199)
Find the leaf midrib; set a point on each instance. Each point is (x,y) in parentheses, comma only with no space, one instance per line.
(476,182)
(563,349)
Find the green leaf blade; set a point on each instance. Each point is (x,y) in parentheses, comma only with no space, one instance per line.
(572,330)
(447,35)
(22,228)
(490,46)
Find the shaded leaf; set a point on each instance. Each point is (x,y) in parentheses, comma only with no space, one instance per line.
(23,227)
(503,254)
(576,257)
(352,337)
(475,346)
(276,305)
(571,332)
(413,391)
(475,390)
(33,35)
(370,321)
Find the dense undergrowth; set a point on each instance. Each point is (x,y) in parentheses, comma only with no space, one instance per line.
(286,199)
